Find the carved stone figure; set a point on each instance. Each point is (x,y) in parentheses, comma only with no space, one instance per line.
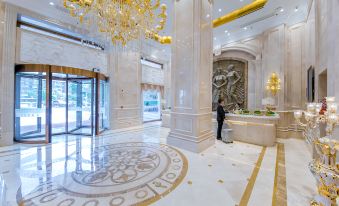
(219,83)
(230,83)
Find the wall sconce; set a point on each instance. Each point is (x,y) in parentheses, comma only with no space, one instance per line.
(273,84)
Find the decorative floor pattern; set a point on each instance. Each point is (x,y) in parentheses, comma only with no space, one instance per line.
(119,165)
(117,174)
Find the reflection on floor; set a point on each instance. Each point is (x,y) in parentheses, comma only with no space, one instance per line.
(151,116)
(135,166)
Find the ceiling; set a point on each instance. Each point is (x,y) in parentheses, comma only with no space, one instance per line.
(276,12)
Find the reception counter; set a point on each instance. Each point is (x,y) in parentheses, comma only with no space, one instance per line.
(259,130)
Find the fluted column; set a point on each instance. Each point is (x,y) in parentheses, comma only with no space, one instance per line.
(7,76)
(191,116)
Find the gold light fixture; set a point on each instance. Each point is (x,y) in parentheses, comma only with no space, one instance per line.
(238,13)
(273,84)
(122,20)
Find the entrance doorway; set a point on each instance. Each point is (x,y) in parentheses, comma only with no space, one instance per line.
(151,105)
(52,100)
(322,85)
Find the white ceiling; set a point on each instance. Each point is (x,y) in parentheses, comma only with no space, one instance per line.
(235,29)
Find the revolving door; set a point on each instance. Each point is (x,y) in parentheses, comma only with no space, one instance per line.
(52,100)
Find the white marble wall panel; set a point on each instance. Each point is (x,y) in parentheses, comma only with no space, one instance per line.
(2,20)
(125,89)
(7,76)
(295,71)
(191,75)
(151,75)
(183,55)
(37,48)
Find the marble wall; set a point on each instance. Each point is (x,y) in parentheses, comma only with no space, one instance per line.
(34,48)
(151,75)
(125,89)
(7,76)
(291,51)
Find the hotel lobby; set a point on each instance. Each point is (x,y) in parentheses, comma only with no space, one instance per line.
(169,103)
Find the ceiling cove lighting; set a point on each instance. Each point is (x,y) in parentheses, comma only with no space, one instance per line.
(236,14)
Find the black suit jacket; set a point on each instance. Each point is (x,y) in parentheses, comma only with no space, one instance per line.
(220,113)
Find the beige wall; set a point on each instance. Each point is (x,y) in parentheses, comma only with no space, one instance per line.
(125,89)
(34,48)
(287,50)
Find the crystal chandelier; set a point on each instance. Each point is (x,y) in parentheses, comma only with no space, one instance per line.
(122,20)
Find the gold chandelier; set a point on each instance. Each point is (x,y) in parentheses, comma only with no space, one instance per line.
(122,20)
(273,84)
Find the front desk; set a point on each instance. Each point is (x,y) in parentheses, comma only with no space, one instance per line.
(258,130)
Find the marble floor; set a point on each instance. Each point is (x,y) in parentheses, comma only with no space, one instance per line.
(135,167)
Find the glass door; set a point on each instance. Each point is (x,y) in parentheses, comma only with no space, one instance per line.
(59,102)
(50,101)
(74,105)
(30,105)
(80,106)
(103,106)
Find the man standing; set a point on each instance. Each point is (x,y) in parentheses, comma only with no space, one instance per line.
(220,117)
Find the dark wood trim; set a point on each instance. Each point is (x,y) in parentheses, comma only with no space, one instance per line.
(48,128)
(58,69)
(97,105)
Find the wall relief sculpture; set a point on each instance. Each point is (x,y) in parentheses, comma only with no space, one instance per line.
(230,83)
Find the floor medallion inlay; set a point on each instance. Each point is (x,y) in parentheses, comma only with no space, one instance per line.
(119,174)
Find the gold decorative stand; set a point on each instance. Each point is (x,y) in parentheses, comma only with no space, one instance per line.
(325,167)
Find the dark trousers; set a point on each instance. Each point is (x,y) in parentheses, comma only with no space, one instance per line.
(220,123)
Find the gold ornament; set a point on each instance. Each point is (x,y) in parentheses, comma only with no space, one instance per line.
(273,84)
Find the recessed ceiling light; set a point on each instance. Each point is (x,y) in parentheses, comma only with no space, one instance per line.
(282,10)
(219,10)
(245,28)
(51,3)
(296,9)
(226,31)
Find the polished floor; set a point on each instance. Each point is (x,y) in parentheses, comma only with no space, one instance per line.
(135,167)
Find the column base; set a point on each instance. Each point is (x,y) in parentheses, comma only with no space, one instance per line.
(193,144)
(6,139)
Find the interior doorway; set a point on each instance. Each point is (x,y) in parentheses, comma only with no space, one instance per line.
(59,101)
(151,105)
(322,85)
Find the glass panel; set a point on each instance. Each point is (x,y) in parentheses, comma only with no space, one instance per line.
(74,105)
(58,106)
(103,106)
(83,111)
(151,105)
(30,104)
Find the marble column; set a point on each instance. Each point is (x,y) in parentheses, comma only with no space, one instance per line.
(7,76)
(191,115)
(125,89)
